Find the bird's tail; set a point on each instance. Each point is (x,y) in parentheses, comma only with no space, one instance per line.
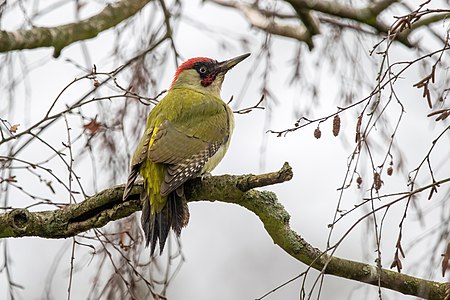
(157,225)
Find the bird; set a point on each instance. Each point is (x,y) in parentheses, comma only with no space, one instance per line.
(186,135)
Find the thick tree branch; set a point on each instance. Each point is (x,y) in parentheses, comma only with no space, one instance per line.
(61,36)
(365,15)
(107,206)
(94,212)
(304,8)
(427,21)
(258,19)
(379,6)
(362,15)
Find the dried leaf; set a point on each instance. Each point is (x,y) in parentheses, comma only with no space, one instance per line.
(93,126)
(13,128)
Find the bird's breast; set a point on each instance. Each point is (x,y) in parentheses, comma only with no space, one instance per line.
(214,160)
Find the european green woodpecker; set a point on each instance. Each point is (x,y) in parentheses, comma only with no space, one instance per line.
(186,136)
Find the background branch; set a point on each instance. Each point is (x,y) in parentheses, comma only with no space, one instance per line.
(257,19)
(61,36)
(306,12)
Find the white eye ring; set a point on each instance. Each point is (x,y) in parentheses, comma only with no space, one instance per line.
(202,70)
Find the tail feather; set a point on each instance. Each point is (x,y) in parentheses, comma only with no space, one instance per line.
(163,227)
(152,236)
(175,216)
(145,217)
(177,205)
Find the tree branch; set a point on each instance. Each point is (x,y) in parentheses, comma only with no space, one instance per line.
(258,19)
(365,16)
(428,21)
(61,36)
(107,206)
(379,6)
(362,15)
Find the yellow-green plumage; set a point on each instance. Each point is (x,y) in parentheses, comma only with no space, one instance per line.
(196,121)
(187,134)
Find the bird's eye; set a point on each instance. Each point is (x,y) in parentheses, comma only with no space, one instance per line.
(202,70)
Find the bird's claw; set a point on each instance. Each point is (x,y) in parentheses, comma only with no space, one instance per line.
(205,176)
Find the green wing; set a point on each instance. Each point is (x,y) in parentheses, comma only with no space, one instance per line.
(188,136)
(183,131)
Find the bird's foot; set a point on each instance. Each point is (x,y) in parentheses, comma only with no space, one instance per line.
(205,176)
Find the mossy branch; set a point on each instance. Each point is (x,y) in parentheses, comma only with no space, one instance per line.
(61,36)
(311,13)
(107,206)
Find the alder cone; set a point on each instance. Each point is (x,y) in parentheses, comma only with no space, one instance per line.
(336,125)
(389,171)
(317,133)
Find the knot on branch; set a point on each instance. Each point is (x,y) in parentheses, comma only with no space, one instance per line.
(19,218)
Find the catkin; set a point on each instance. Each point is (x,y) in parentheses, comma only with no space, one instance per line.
(336,125)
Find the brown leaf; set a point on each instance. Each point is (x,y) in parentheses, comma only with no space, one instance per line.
(93,126)
(13,128)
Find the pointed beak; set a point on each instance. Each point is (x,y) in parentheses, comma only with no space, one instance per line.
(226,65)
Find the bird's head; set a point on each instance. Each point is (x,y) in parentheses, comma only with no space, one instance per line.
(204,74)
